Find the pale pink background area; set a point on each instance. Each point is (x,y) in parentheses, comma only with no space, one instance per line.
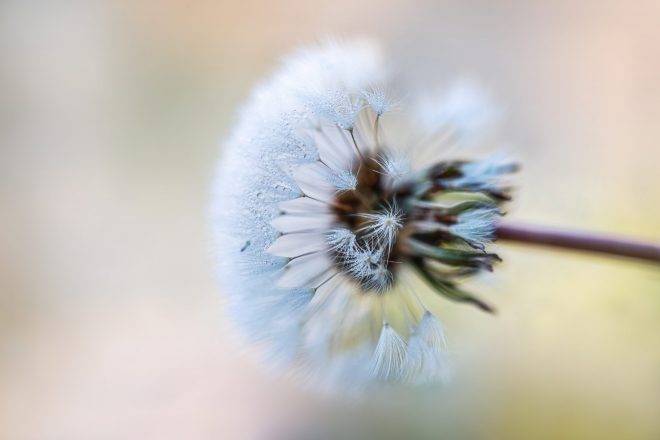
(111,115)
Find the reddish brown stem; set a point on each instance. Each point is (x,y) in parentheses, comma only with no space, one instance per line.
(578,240)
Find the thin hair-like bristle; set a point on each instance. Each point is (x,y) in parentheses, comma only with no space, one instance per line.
(388,358)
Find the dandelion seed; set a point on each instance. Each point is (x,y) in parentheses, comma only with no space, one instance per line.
(395,166)
(388,358)
(378,100)
(341,239)
(344,181)
(426,353)
(382,227)
(477,226)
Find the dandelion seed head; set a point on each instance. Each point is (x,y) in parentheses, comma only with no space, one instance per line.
(318,221)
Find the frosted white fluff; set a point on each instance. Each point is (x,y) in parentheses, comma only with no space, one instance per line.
(304,287)
(383,226)
(486,173)
(341,240)
(388,359)
(426,354)
(343,180)
(477,226)
(395,165)
(378,99)
(464,106)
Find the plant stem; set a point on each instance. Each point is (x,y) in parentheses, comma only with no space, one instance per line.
(579,240)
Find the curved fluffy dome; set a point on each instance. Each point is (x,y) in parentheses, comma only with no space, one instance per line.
(325,224)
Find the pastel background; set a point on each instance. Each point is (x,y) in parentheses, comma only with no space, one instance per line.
(111,113)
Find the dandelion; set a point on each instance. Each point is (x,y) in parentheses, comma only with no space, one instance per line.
(319,217)
(331,236)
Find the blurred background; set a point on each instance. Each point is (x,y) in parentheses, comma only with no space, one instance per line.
(111,116)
